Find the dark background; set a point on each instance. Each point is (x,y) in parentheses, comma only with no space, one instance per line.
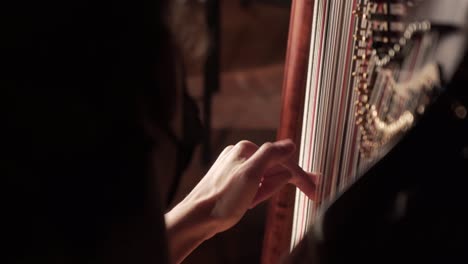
(247,106)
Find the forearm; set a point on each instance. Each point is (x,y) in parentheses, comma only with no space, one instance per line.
(242,176)
(187,227)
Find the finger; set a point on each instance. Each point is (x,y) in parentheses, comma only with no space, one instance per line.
(267,156)
(272,182)
(306,181)
(225,151)
(306,184)
(222,156)
(244,149)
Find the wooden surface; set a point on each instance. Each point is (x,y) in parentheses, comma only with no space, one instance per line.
(280,212)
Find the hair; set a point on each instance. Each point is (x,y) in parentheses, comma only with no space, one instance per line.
(187,23)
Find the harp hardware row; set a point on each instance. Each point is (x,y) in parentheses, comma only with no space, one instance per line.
(375,132)
(386,18)
(361,62)
(385,99)
(381,11)
(344,131)
(413,28)
(380,131)
(388,26)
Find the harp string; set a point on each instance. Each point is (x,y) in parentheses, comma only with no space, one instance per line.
(360,92)
(322,100)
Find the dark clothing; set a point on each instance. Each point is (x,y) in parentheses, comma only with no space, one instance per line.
(77,78)
(411,207)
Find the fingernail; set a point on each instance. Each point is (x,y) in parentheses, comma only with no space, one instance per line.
(286,141)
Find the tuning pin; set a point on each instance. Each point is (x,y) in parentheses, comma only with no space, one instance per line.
(363,65)
(359,37)
(426,25)
(360,13)
(363,90)
(362,53)
(360,48)
(359,120)
(363,98)
(362,110)
(359,74)
(363,81)
(360,57)
(361,6)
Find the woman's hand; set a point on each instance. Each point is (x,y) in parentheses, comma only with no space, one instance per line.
(242,176)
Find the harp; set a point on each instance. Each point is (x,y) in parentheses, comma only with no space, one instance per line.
(358,75)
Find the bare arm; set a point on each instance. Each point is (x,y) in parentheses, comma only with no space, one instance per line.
(242,176)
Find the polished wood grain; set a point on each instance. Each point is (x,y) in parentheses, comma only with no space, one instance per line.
(281,206)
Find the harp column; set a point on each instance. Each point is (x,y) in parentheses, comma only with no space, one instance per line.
(281,206)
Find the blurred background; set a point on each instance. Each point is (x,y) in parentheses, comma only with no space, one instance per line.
(244,102)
